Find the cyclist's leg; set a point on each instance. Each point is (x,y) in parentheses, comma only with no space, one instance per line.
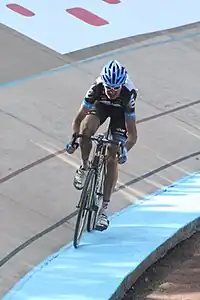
(119,133)
(118,130)
(110,181)
(89,127)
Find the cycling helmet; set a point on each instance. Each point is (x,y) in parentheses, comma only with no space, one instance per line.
(113,74)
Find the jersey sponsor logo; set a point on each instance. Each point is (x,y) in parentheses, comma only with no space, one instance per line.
(132,102)
(90,92)
(120,130)
(107,102)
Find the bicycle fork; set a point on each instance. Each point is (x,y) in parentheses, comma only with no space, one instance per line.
(99,188)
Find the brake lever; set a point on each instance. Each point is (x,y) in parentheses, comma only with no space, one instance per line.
(74,143)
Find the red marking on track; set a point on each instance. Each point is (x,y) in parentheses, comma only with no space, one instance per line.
(112,1)
(20,10)
(86,16)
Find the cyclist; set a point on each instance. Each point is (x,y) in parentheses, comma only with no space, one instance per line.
(112,95)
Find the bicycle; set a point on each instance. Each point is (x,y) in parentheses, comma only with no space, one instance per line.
(92,192)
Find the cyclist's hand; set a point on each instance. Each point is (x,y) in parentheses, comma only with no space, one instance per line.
(122,157)
(71,148)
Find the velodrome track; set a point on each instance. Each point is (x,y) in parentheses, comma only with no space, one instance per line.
(37,197)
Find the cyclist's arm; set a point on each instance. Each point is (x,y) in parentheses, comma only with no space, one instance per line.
(82,112)
(130,120)
(132,133)
(85,107)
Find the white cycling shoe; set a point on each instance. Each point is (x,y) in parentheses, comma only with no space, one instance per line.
(79,178)
(102,220)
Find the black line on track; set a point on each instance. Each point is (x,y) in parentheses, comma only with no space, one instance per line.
(36,237)
(157,170)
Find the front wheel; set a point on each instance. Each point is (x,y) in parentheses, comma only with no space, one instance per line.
(98,198)
(92,216)
(84,205)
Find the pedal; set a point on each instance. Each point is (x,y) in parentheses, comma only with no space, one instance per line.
(99,194)
(95,207)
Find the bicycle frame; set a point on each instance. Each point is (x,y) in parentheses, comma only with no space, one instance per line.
(96,174)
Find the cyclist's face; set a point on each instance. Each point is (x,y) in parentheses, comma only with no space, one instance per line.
(111,92)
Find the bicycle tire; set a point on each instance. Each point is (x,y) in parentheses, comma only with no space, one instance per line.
(84,207)
(93,213)
(92,216)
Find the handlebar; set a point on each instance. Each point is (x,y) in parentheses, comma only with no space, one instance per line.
(100,138)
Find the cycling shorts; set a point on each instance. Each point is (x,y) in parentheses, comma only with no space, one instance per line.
(117,116)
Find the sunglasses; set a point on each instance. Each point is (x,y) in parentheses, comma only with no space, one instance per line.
(112,88)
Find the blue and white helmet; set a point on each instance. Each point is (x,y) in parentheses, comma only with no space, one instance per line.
(113,74)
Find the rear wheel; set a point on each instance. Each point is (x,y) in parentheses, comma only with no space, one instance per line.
(84,205)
